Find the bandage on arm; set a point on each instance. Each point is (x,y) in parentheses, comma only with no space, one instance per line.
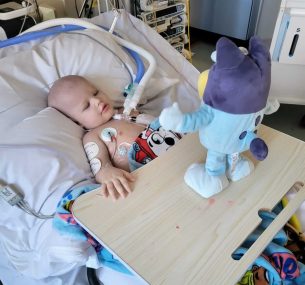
(97,153)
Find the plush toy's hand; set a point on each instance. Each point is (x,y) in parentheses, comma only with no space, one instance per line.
(171,118)
(259,149)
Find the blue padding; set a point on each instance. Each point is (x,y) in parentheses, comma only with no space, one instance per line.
(38,34)
(139,63)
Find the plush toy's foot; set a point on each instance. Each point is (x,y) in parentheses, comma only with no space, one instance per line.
(203,183)
(242,169)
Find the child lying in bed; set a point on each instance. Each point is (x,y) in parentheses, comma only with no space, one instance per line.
(114,144)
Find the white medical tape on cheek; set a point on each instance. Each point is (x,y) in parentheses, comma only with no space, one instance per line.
(91,149)
(95,165)
(107,134)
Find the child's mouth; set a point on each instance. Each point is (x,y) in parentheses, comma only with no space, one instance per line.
(105,108)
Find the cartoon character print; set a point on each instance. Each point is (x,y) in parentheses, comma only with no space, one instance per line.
(257,275)
(260,276)
(284,263)
(153,142)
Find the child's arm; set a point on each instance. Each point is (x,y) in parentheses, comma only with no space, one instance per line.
(114,181)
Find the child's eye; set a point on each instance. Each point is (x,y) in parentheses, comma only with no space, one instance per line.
(86,106)
(95,93)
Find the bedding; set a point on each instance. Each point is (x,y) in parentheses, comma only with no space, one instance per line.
(41,150)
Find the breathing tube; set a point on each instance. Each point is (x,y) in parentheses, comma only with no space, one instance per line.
(59,25)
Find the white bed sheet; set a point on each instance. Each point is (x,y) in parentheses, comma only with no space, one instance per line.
(41,151)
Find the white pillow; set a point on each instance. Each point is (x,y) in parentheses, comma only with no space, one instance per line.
(43,157)
(27,76)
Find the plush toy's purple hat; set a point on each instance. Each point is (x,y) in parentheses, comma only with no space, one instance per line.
(239,83)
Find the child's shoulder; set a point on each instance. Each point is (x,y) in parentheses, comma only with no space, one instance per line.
(92,133)
(96,132)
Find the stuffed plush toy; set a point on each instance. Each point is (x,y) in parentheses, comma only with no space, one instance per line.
(233,106)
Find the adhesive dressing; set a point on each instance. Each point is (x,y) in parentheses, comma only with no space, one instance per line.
(91,149)
(107,134)
(123,149)
(95,165)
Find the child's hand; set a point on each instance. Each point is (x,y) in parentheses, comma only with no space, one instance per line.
(115,182)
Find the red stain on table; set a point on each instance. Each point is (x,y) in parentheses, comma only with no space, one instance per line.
(211,201)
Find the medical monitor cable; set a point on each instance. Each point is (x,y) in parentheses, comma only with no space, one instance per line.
(11,196)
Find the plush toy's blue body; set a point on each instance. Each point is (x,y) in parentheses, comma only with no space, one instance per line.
(233,106)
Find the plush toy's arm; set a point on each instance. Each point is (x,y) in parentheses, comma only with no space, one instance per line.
(257,146)
(272,106)
(173,119)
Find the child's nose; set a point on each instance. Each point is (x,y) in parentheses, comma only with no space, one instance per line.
(95,100)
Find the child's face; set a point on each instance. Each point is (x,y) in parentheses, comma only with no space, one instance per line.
(89,106)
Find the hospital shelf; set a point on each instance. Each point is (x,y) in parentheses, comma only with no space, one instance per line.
(169,18)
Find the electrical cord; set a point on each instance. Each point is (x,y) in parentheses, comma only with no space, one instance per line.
(89,14)
(14,198)
(76,8)
(25,17)
(92,278)
(82,8)
(37,11)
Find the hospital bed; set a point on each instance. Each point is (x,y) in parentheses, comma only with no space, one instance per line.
(41,151)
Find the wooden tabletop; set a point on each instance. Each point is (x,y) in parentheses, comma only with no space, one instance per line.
(168,234)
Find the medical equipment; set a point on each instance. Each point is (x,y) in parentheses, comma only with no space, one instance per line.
(15,9)
(150,5)
(14,198)
(287,53)
(160,14)
(15,17)
(288,45)
(168,18)
(173,32)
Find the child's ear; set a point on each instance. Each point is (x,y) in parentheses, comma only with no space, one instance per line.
(228,55)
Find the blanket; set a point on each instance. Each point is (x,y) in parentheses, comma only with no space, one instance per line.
(65,223)
(279,264)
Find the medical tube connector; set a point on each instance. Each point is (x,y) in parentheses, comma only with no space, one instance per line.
(133,99)
(9,195)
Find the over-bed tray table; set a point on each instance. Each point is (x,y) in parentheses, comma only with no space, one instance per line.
(168,234)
